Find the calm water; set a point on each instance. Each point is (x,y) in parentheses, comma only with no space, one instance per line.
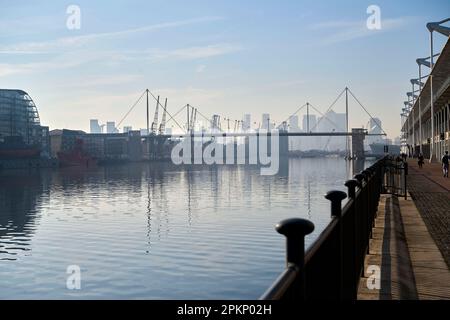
(155,231)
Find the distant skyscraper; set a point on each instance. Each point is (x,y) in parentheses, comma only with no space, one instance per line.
(95,127)
(247,123)
(266,122)
(293,124)
(375,126)
(111,127)
(310,143)
(127,129)
(396,141)
(332,122)
(311,124)
(294,142)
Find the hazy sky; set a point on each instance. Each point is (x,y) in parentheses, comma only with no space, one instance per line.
(226,57)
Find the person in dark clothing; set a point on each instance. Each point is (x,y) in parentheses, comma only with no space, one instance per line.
(445,164)
(420,160)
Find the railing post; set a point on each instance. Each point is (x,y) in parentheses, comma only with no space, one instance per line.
(359,177)
(295,230)
(367,176)
(336,198)
(351,185)
(354,249)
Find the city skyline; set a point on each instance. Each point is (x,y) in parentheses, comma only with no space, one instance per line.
(212,57)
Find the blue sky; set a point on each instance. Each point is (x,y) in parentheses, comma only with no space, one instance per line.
(226,57)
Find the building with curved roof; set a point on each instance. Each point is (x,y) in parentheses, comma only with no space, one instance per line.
(20,125)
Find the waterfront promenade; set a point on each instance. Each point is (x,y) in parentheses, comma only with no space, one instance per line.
(411,240)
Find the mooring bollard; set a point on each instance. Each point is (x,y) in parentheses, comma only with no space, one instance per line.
(336,198)
(351,185)
(295,230)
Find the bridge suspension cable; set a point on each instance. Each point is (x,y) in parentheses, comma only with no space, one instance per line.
(324,116)
(178,112)
(356,99)
(131,109)
(171,117)
(139,99)
(297,111)
(331,106)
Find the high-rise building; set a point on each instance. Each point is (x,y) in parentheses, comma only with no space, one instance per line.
(95,127)
(111,127)
(294,142)
(293,123)
(374,127)
(266,123)
(309,143)
(332,122)
(311,125)
(247,122)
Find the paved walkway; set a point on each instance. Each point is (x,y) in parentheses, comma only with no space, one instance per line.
(411,265)
(431,194)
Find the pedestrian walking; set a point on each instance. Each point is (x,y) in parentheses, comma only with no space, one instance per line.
(445,164)
(420,161)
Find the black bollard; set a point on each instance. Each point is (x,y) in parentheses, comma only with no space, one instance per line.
(295,230)
(336,198)
(351,185)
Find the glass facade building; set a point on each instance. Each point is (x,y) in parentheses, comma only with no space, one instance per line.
(19,119)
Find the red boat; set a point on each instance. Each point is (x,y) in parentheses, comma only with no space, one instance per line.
(76,157)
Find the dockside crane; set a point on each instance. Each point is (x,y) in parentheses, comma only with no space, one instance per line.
(194,119)
(155,119)
(191,123)
(162,126)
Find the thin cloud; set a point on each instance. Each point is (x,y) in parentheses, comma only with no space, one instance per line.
(77,41)
(200,68)
(350,30)
(116,57)
(192,53)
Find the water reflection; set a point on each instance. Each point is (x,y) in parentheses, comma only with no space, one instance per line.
(156,230)
(19,194)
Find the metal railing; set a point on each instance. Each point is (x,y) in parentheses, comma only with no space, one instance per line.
(394,182)
(332,266)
